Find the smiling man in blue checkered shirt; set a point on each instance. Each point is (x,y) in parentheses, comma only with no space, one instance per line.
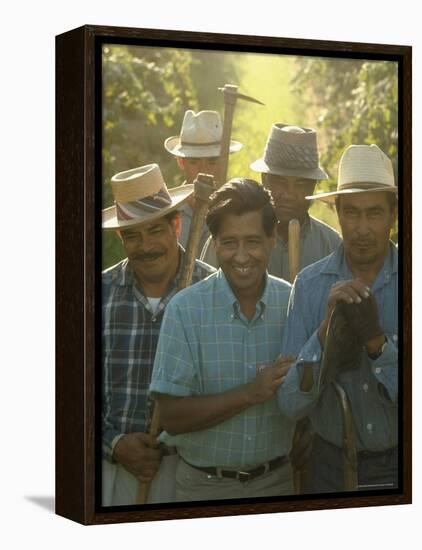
(217,366)
(135,293)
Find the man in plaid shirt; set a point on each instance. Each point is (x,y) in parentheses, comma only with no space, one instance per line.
(135,293)
(217,366)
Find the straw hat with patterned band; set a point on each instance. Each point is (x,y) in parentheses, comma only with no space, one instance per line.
(362,168)
(141,195)
(291,151)
(200,136)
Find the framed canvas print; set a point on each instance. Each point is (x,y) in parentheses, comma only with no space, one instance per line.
(233,274)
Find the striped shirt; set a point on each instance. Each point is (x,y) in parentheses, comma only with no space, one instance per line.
(373,388)
(130,329)
(207,346)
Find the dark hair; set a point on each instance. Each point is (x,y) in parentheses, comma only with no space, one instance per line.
(239,196)
(391,199)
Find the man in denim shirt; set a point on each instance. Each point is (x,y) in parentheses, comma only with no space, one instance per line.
(362,271)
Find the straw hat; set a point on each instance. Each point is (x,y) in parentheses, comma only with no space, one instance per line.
(141,195)
(200,136)
(291,151)
(362,168)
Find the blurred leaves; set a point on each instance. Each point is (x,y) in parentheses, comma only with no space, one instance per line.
(353,102)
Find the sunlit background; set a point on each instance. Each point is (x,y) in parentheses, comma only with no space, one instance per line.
(146,92)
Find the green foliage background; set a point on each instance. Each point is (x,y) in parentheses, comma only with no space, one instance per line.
(147,90)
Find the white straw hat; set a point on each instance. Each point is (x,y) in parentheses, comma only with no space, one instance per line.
(200,136)
(362,168)
(141,195)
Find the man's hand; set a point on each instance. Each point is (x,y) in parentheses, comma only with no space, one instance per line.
(364,321)
(269,378)
(138,452)
(350,292)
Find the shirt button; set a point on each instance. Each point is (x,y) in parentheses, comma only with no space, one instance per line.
(154,319)
(369,427)
(378,370)
(249,438)
(365,387)
(314,357)
(395,337)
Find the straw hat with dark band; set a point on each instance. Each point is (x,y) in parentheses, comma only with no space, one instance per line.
(141,195)
(362,168)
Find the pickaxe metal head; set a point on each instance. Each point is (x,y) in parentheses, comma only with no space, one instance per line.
(231,90)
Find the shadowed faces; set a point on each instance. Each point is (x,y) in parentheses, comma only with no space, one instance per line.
(193,166)
(289,194)
(366,220)
(152,248)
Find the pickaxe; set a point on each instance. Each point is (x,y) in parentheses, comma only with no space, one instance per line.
(203,188)
(231,95)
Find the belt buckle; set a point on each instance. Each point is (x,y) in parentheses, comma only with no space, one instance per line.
(243,476)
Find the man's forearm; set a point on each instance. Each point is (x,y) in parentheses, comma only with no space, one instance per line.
(195,413)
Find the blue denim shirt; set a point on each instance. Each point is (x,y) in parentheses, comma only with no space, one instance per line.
(372,389)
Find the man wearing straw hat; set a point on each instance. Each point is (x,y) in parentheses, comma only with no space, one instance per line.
(217,365)
(290,170)
(360,279)
(197,149)
(135,293)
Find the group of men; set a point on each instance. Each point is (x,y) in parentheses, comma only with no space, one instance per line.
(237,359)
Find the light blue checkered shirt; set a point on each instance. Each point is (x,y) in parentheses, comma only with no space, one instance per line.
(207,346)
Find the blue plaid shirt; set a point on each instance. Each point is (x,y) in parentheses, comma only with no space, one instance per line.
(372,389)
(129,339)
(207,346)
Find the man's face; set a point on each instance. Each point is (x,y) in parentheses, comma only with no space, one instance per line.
(366,220)
(289,194)
(243,251)
(193,166)
(152,248)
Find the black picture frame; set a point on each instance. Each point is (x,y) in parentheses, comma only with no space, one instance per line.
(78,255)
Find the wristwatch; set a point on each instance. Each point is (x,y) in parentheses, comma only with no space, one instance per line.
(379,352)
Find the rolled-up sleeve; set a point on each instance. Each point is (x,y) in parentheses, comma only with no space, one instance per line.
(174,370)
(300,339)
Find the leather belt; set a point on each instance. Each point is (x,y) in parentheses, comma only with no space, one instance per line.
(375,454)
(243,475)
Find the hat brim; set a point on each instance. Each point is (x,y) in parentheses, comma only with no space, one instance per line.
(330,197)
(173,146)
(310,173)
(178,196)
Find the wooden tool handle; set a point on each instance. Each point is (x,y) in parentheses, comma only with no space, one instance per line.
(294,249)
(230,97)
(204,186)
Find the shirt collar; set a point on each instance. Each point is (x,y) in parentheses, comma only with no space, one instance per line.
(305,227)
(337,264)
(230,298)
